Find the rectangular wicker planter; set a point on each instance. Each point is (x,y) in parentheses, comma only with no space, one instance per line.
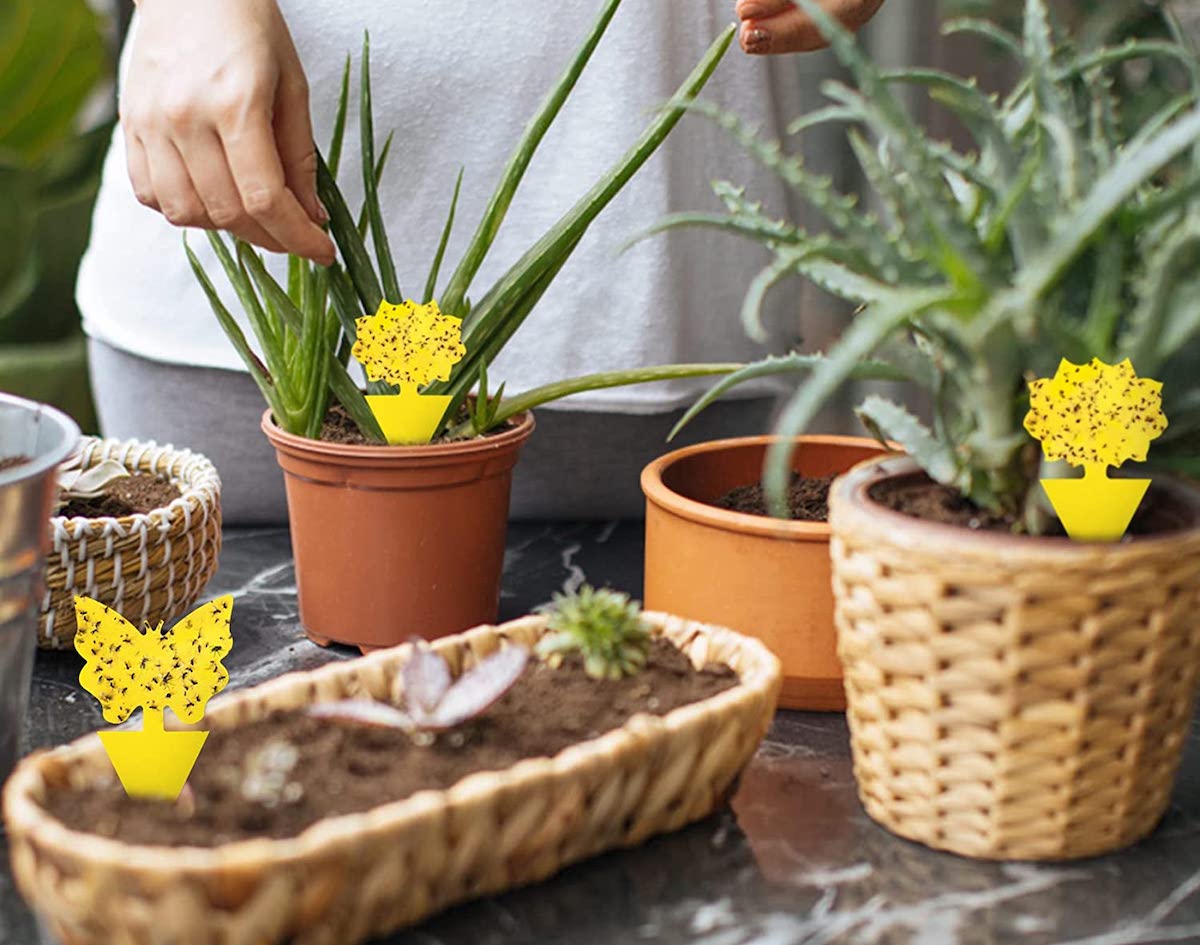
(353,877)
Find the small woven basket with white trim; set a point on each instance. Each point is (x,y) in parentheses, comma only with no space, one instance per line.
(149,567)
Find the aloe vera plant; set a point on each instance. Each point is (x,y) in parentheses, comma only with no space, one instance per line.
(306,330)
(1058,234)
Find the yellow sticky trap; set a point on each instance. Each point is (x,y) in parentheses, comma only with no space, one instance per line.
(1095,415)
(181,670)
(408,345)
(408,418)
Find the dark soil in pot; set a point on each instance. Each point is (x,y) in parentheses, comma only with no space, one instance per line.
(341,767)
(340,428)
(920,497)
(808,499)
(11,462)
(134,494)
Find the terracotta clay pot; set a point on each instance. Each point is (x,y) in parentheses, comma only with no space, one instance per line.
(761,576)
(391,541)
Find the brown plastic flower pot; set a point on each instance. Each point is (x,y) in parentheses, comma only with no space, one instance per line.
(765,577)
(391,541)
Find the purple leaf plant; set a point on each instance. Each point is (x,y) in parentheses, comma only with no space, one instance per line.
(433,701)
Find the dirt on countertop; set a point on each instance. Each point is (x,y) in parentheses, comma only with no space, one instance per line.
(342,767)
(808,498)
(138,492)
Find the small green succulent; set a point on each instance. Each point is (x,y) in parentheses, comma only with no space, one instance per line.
(604,626)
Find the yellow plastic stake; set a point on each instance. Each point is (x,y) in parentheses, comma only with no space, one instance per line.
(408,345)
(408,418)
(1095,415)
(181,670)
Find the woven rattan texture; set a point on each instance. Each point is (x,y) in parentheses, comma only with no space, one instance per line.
(1013,699)
(149,568)
(350,878)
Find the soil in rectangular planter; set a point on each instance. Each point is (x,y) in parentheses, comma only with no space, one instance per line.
(808,498)
(922,498)
(139,492)
(11,462)
(344,767)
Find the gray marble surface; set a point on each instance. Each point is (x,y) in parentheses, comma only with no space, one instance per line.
(794,862)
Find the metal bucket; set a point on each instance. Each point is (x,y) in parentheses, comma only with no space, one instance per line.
(45,438)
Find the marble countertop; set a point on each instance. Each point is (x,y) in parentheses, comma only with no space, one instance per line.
(794,862)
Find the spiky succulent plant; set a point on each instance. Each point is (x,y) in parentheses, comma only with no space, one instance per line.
(1057,234)
(603,626)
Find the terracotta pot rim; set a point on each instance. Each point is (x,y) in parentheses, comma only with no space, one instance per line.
(852,490)
(660,494)
(344,454)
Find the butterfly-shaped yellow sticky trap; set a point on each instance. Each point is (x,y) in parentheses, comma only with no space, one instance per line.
(408,345)
(1095,415)
(127,668)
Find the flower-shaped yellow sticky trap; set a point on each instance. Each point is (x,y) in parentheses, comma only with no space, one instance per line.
(1095,415)
(408,345)
(180,670)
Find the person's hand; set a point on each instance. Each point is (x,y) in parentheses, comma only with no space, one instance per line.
(216,123)
(779,26)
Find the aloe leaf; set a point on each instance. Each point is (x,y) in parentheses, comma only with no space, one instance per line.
(891,422)
(840,280)
(764,230)
(380,163)
(557,390)
(881,108)
(1106,302)
(775,366)
(770,276)
(514,171)
(1070,168)
(865,333)
(1039,56)
(988,30)
(1134,49)
(268,335)
(349,240)
(366,126)
(237,338)
(431,281)
(339,121)
(345,302)
(1133,168)
(499,315)
(483,353)
(1166,317)
(839,209)
(340,382)
(823,116)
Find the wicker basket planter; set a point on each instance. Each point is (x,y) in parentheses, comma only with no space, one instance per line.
(1013,698)
(353,877)
(148,567)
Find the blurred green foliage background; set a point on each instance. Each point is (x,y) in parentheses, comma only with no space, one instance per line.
(57,60)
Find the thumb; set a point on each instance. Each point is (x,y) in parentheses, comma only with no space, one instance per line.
(294,138)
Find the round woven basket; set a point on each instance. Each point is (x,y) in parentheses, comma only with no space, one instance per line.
(148,567)
(1013,698)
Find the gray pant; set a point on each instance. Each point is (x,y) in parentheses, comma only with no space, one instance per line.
(577,465)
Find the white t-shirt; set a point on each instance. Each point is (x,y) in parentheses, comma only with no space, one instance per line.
(458,88)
